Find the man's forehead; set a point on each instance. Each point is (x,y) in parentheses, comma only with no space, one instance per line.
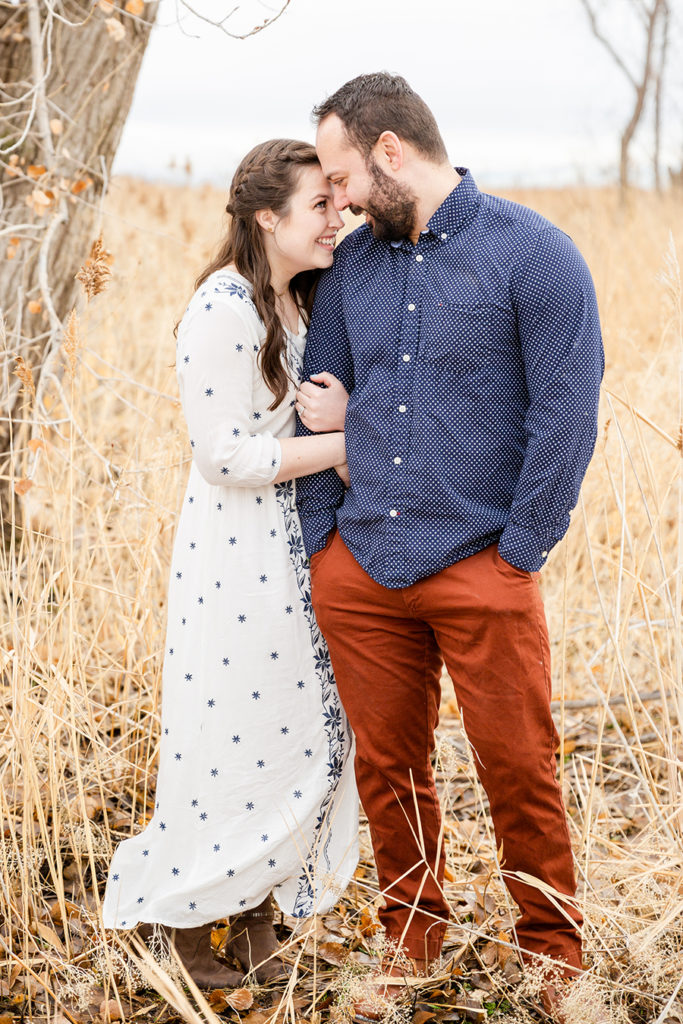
(335,151)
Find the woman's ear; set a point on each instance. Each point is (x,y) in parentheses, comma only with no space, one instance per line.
(267,220)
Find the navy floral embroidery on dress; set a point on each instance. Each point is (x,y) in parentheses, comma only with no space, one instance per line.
(226,286)
(333,717)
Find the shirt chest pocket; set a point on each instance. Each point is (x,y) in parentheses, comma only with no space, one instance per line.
(456,337)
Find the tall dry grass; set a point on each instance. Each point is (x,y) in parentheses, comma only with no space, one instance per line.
(100,461)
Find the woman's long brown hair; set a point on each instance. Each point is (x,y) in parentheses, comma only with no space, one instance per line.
(265,180)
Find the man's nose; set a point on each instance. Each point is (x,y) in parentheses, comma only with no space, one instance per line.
(339,199)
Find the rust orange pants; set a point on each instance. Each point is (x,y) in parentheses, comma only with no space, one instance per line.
(485,619)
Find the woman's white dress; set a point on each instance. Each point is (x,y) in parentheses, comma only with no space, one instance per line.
(256,789)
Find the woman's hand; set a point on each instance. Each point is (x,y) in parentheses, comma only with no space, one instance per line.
(322,409)
(343,473)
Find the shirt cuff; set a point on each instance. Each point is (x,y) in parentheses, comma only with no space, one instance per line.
(524,548)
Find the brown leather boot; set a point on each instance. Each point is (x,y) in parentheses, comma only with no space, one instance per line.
(193,946)
(253,943)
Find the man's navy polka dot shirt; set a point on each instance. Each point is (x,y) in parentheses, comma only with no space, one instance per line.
(473,360)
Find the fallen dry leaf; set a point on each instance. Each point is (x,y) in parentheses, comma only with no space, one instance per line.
(110,1010)
(36,170)
(135,7)
(115,29)
(22,486)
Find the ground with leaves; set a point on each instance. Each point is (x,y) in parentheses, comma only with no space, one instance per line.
(100,463)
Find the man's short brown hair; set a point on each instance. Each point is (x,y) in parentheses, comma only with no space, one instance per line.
(371,104)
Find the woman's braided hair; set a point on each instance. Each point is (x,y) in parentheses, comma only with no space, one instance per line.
(265,180)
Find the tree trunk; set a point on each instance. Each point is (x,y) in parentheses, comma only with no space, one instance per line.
(67,74)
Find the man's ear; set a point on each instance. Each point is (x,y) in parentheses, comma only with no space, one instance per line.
(388,151)
(267,220)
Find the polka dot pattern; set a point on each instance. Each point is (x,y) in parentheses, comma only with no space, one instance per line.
(473,361)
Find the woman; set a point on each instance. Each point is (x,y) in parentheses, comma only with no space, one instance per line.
(255,789)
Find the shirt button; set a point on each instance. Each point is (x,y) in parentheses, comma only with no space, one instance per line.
(393,513)
(419,258)
(544,554)
(397,460)
(406,358)
(444,235)
(411,306)
(402,408)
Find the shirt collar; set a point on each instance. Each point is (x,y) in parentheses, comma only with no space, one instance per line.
(457,209)
(455,212)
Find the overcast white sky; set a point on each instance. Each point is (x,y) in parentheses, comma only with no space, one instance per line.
(522,91)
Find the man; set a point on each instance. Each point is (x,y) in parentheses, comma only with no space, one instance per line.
(466,331)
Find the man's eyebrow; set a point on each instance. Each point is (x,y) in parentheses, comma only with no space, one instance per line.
(334,174)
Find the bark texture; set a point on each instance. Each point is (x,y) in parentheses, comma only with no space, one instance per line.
(67,78)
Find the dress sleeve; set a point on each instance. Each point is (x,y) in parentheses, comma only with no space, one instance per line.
(215,365)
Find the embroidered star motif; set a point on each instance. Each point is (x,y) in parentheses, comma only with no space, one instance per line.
(233,540)
(230,873)
(235,431)
(236,739)
(203,816)
(255,694)
(300,684)
(274,655)
(192,545)
(162,826)
(263,578)
(188,677)
(195,803)
(175,871)
(226,661)
(289,609)
(249,806)
(211,703)
(264,837)
(145,853)
(271,863)
(284,730)
(214,773)
(179,757)
(241,618)
(308,753)
(216,847)
(225,471)
(186,359)
(297,794)
(260,764)
(208,392)
(193,906)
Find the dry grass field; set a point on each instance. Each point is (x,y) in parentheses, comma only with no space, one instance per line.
(101,462)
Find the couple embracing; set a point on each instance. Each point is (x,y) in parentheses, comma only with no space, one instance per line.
(413,412)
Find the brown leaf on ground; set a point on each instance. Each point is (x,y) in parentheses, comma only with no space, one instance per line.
(240,998)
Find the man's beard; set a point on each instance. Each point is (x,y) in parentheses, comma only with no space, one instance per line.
(392,207)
